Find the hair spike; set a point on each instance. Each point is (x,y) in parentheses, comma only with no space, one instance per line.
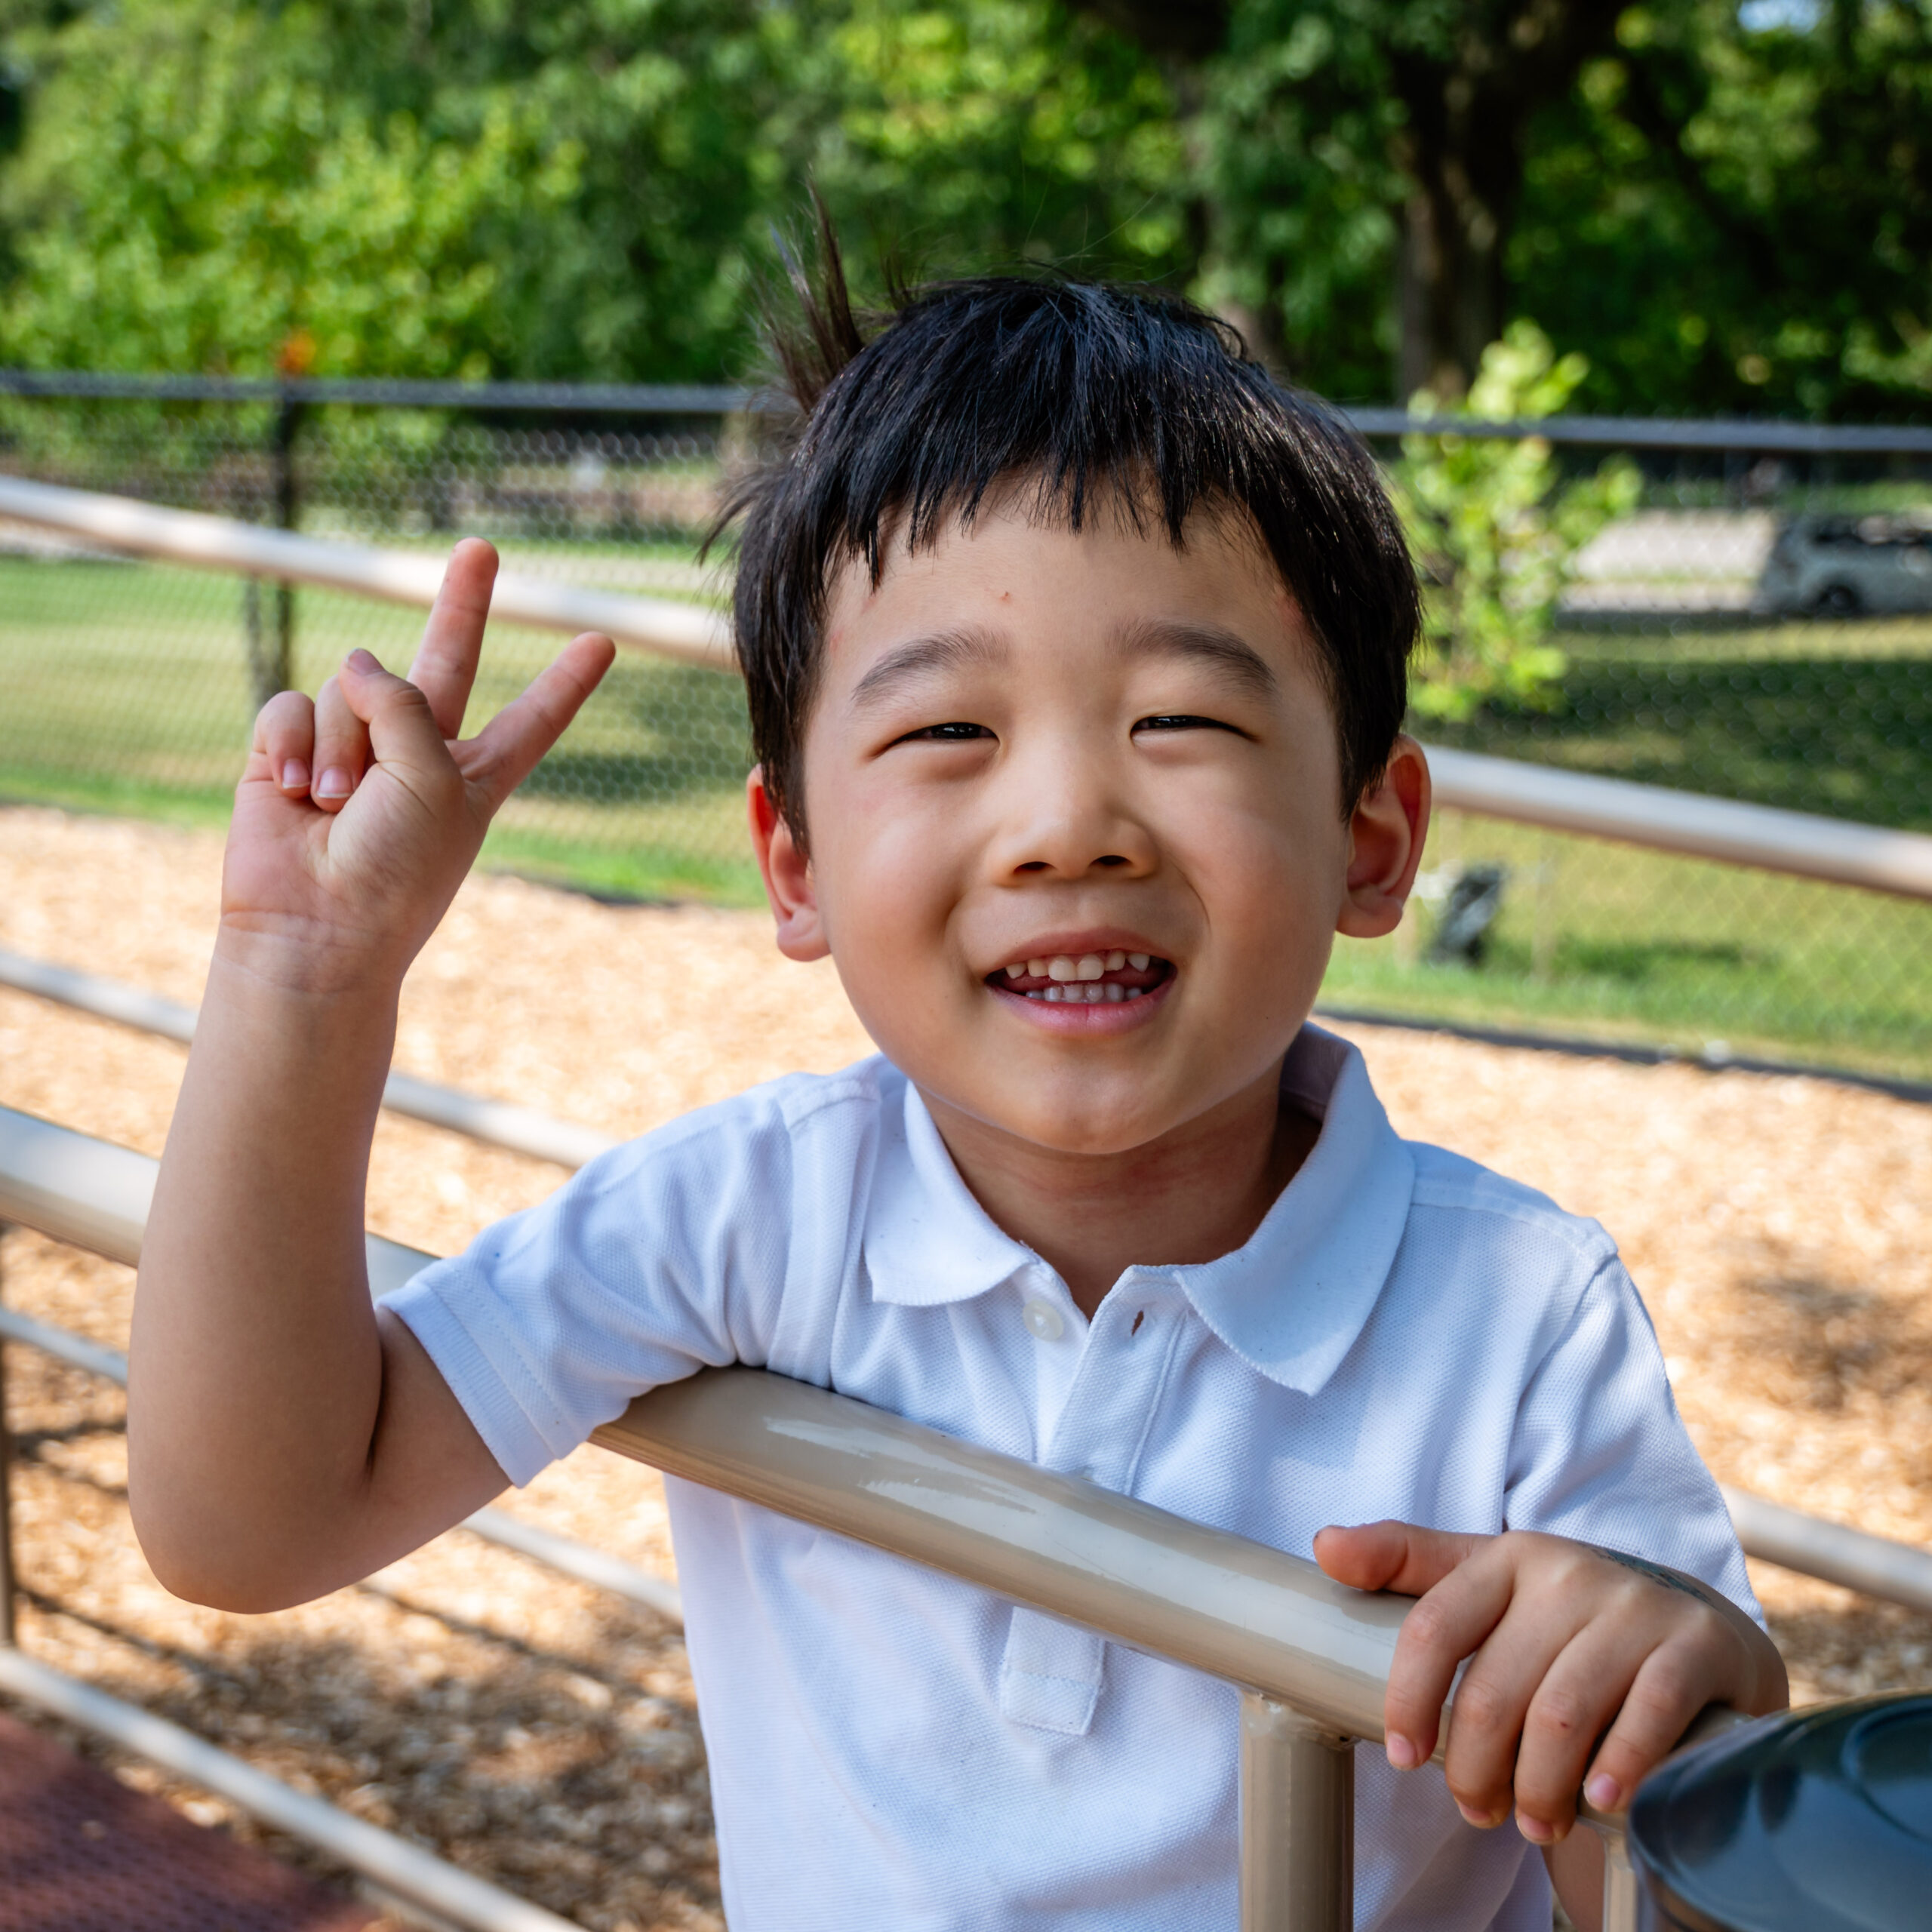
(812,356)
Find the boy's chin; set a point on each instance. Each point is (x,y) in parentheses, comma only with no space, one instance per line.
(1065,1126)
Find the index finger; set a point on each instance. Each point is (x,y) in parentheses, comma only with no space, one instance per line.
(1448,1624)
(445,665)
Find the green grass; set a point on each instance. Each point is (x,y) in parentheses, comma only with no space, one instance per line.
(1609,942)
(1833,719)
(125,690)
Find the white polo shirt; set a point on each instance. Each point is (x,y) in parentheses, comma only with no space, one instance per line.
(1406,1335)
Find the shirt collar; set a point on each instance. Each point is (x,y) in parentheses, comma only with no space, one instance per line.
(1290,1301)
(927,1240)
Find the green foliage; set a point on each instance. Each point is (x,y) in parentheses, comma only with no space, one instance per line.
(1720,217)
(196,194)
(1732,220)
(1497,533)
(584,190)
(1299,194)
(989,134)
(471,195)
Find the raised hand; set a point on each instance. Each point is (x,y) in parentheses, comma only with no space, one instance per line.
(1586,1666)
(359,813)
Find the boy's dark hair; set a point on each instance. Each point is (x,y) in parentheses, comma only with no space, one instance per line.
(1097,393)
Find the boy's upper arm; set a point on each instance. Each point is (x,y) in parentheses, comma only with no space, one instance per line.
(667,1256)
(429,1467)
(1600,1452)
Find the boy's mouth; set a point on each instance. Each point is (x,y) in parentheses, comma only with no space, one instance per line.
(1113,978)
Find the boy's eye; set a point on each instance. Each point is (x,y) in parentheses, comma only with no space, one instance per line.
(1183,721)
(955,732)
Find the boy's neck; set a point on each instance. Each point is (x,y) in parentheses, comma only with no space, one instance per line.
(1194,1196)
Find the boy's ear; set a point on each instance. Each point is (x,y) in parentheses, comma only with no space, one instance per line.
(787,872)
(1386,837)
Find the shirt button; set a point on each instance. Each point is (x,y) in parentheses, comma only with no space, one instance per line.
(1043,1321)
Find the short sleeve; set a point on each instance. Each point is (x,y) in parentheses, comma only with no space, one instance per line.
(1601,1453)
(664,1257)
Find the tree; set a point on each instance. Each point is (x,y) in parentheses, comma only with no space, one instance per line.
(581,189)
(1497,532)
(1733,214)
(199,181)
(1464,81)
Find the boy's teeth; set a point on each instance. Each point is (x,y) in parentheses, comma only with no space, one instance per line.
(1086,993)
(1075,978)
(1063,967)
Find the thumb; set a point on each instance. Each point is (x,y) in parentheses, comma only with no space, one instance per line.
(1402,1557)
(402,728)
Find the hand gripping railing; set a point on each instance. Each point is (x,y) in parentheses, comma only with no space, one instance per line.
(1310,1657)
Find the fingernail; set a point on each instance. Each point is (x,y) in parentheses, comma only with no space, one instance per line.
(364,660)
(295,774)
(1604,1792)
(1402,1751)
(1535,1830)
(334,783)
(1482,1820)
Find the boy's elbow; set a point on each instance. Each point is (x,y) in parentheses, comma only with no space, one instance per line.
(227,1572)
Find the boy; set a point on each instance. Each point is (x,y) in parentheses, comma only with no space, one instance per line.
(1075,651)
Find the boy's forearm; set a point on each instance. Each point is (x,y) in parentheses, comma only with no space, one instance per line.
(257,1369)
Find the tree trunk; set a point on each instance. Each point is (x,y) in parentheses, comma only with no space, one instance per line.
(1449,288)
(1468,112)
(1470,94)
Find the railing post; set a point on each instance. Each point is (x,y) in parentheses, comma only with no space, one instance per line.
(6,1500)
(1623,1900)
(1298,1822)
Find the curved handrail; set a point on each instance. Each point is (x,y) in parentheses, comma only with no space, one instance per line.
(1800,843)
(1813,1546)
(687,631)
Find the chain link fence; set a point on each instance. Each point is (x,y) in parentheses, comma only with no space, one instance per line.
(1759,627)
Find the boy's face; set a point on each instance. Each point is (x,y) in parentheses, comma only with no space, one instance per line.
(1093,753)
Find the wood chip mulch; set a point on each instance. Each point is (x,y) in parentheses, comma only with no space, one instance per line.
(544,1734)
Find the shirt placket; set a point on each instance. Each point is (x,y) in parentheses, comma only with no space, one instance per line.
(1051,1673)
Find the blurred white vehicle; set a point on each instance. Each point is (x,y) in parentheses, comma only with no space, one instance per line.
(1840,566)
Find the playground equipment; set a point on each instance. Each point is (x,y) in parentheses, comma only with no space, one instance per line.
(1310,1659)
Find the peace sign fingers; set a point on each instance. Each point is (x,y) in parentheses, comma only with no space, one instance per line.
(445,665)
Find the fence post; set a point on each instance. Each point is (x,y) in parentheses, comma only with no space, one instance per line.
(272,659)
(6,1500)
(1298,1822)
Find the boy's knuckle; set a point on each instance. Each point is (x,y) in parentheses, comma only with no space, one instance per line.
(1482,1703)
(1428,1625)
(1658,1699)
(1561,1716)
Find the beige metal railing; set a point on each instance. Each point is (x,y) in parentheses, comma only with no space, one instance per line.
(1878,1566)
(1680,822)
(1310,1657)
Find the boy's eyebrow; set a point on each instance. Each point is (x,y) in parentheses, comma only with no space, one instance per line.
(944,650)
(1222,650)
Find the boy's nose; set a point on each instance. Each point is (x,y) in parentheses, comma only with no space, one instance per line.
(1065,821)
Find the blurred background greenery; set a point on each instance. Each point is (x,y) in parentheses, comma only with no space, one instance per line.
(1503,207)
(1722,206)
